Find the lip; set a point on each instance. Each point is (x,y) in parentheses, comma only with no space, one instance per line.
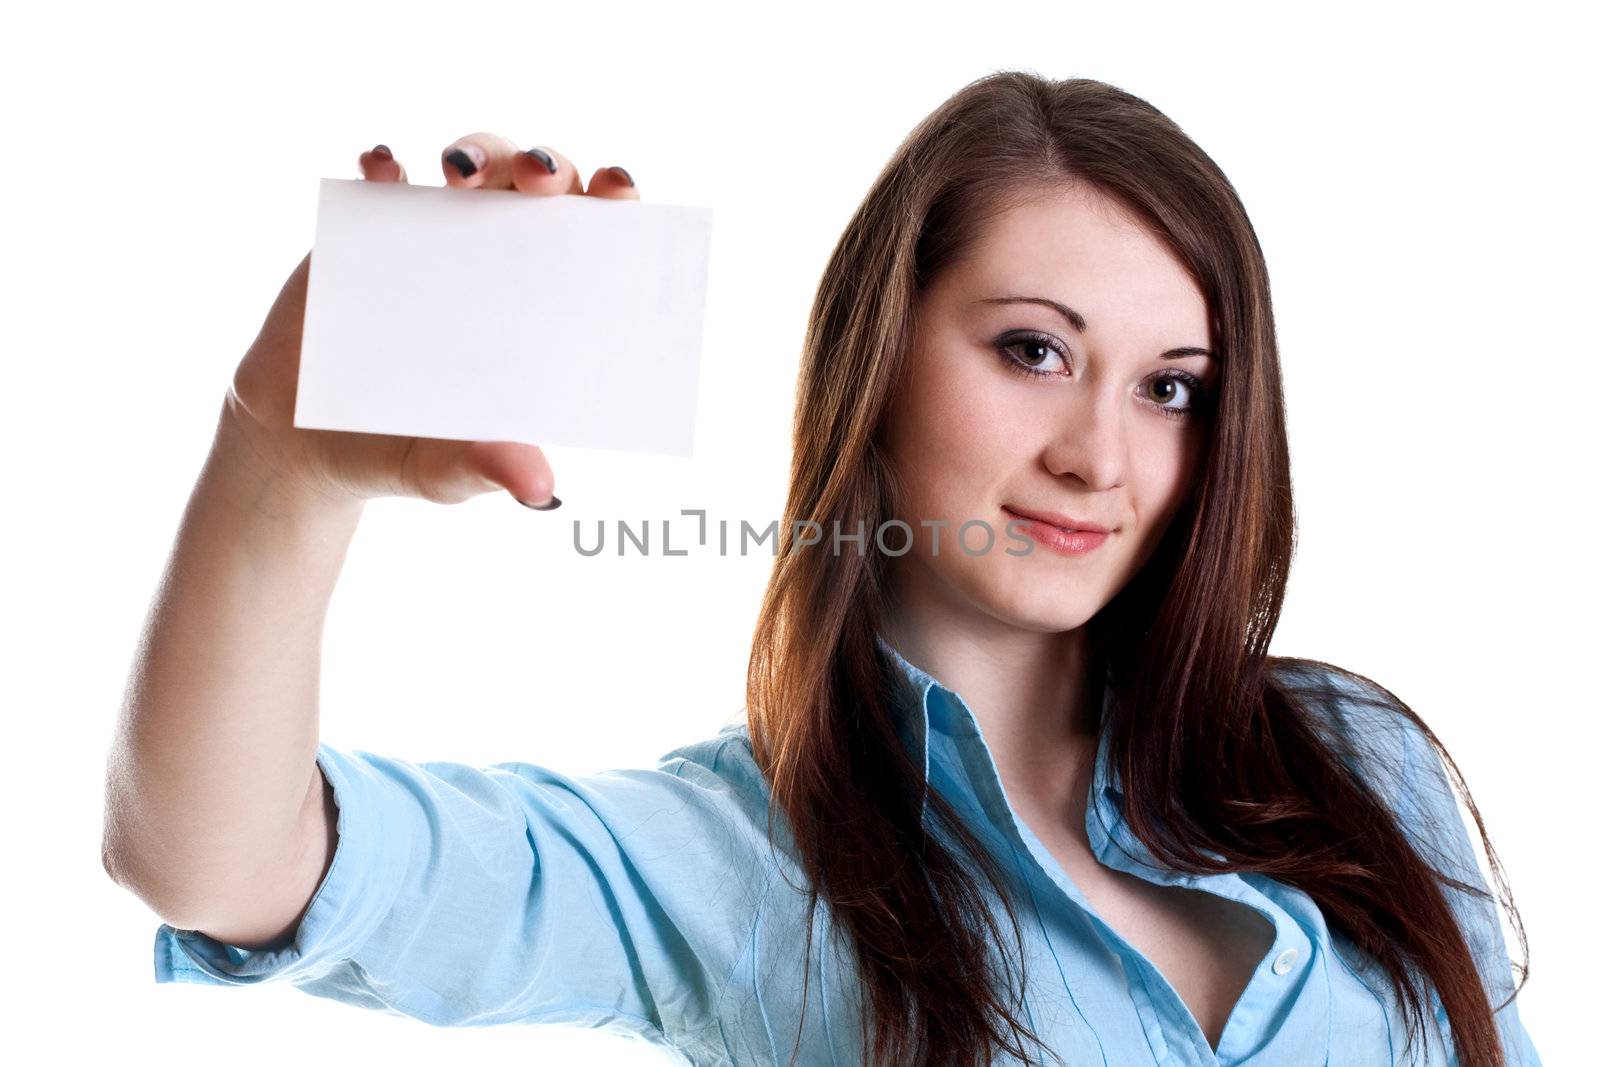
(1072,541)
(1056,519)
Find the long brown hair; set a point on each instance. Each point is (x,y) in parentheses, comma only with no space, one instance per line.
(1218,752)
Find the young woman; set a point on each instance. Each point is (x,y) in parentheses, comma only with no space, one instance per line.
(1019,781)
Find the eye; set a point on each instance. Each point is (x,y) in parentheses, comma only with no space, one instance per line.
(1176,394)
(1029,354)
(1194,398)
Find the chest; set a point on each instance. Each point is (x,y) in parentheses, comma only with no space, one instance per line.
(1206,946)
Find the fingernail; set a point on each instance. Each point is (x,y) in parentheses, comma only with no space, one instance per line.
(549,505)
(625,175)
(465,159)
(543,157)
(383,150)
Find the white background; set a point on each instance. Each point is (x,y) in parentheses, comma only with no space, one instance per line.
(1418,178)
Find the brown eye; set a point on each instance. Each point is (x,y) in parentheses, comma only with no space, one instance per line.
(1181,385)
(1033,353)
(1030,354)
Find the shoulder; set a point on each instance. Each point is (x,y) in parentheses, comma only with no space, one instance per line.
(1338,699)
(726,754)
(722,767)
(714,775)
(1391,753)
(1397,758)
(1342,696)
(1386,743)
(693,825)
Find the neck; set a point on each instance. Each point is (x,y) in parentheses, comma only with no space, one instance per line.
(1030,690)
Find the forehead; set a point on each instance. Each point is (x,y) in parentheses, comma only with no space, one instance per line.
(1081,248)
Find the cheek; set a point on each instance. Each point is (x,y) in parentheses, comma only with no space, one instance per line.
(952,440)
(1166,468)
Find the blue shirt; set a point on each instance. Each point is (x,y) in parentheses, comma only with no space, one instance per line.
(646,902)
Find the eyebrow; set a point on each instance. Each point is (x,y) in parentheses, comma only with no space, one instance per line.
(1081,324)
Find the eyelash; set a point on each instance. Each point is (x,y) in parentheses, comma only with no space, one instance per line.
(1201,396)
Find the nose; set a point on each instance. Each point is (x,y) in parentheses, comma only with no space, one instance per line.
(1089,440)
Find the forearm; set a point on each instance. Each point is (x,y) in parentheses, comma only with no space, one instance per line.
(213,766)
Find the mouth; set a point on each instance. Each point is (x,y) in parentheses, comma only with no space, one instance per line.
(1061,534)
(1065,523)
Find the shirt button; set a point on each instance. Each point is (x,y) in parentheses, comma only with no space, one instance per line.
(1284,961)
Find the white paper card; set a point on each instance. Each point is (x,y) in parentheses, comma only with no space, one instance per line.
(493,315)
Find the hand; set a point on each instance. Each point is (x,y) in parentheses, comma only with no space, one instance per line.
(345,466)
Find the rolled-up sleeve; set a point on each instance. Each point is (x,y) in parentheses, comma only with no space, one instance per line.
(465,896)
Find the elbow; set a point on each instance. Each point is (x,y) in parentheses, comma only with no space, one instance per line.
(161,902)
(122,867)
(115,858)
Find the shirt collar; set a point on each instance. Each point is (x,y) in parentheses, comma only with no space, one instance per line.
(929,713)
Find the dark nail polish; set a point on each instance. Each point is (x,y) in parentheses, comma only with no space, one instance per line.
(462,162)
(625,175)
(543,157)
(554,502)
(383,149)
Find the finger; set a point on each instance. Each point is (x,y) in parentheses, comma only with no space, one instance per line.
(450,471)
(478,161)
(542,171)
(521,469)
(379,165)
(613,183)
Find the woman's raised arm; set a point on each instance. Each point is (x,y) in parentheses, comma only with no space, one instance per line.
(216,812)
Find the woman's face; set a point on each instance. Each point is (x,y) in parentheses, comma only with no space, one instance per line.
(1007,406)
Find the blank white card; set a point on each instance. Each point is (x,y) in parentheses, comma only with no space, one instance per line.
(493,315)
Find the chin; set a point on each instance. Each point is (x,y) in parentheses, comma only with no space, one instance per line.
(1042,607)
(1052,620)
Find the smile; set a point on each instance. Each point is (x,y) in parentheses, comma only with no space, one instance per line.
(1064,540)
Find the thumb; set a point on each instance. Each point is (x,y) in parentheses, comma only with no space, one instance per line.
(521,469)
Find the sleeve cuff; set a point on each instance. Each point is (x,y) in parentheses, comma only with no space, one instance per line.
(356,893)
